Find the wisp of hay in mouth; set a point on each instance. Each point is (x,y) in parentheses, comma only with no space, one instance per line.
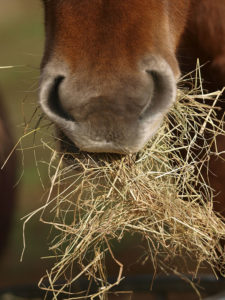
(158,194)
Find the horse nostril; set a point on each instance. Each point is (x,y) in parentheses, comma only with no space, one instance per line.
(54,102)
(163,94)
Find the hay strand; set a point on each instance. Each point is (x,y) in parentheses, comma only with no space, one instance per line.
(158,194)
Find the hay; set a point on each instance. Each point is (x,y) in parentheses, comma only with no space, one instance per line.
(6,67)
(158,194)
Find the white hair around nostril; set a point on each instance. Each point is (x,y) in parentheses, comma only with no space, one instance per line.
(50,104)
(163,94)
(54,101)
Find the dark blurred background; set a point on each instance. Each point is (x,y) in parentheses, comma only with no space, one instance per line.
(21,44)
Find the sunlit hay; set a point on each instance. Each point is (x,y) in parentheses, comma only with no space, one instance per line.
(158,194)
(6,67)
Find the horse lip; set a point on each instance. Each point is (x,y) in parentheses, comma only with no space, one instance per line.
(73,155)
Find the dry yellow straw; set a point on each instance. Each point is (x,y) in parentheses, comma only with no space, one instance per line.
(159,194)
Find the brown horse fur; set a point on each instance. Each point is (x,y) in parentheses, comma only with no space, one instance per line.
(7,178)
(102,42)
(85,33)
(204,38)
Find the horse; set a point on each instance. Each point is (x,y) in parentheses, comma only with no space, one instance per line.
(110,69)
(7,178)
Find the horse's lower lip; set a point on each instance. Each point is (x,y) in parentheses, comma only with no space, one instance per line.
(73,155)
(86,160)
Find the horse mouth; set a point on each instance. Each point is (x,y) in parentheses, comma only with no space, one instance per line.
(72,155)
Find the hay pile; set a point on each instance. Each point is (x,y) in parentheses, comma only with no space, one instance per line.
(159,194)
